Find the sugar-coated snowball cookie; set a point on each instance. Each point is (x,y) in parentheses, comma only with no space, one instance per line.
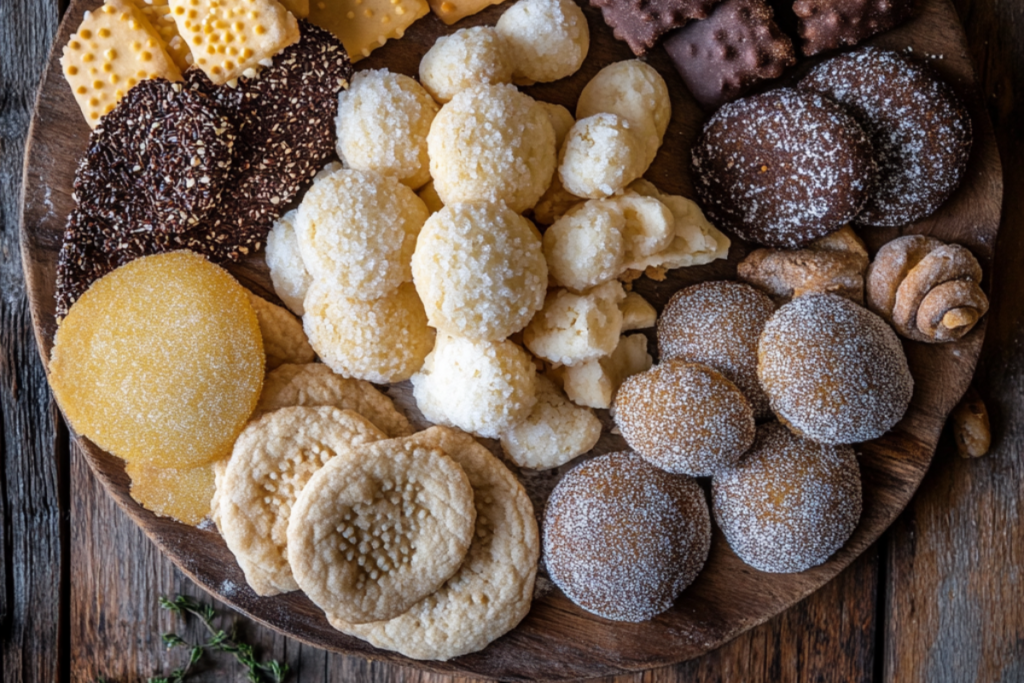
(561,120)
(635,91)
(555,431)
(468,57)
(600,156)
(547,39)
(384,340)
(382,123)
(492,143)
(573,328)
(585,247)
(287,270)
(480,270)
(480,387)
(357,231)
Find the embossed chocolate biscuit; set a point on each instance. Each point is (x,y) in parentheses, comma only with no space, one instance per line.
(640,23)
(830,24)
(722,57)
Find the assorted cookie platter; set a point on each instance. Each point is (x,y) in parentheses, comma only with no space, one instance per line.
(562,635)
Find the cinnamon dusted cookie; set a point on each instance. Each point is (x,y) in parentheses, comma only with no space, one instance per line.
(732,50)
(492,590)
(783,168)
(830,24)
(272,461)
(920,130)
(640,23)
(380,528)
(315,384)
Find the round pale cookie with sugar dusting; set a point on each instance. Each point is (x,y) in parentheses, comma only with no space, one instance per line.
(468,57)
(315,384)
(492,590)
(623,539)
(379,528)
(790,503)
(834,372)
(547,39)
(287,270)
(272,461)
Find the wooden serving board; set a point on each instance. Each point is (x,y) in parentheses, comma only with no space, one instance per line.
(558,640)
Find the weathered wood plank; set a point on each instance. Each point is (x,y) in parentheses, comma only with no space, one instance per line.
(956,587)
(30,558)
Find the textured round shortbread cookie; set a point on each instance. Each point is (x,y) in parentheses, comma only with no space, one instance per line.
(468,57)
(315,384)
(357,231)
(600,156)
(383,121)
(684,417)
(481,387)
(492,143)
(492,590)
(623,539)
(790,503)
(635,91)
(719,324)
(547,39)
(272,461)
(480,270)
(379,528)
(834,372)
(283,338)
(382,341)
(287,270)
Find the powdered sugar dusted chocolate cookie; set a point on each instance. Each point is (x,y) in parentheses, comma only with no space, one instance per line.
(920,130)
(782,168)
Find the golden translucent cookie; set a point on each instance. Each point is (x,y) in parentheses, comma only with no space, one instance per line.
(479,269)
(227,37)
(492,590)
(635,91)
(181,493)
(357,231)
(379,528)
(315,384)
(600,156)
(572,328)
(481,387)
(158,12)
(382,124)
(468,57)
(283,338)
(547,39)
(287,270)
(273,459)
(593,383)
(382,341)
(364,25)
(492,143)
(555,431)
(160,362)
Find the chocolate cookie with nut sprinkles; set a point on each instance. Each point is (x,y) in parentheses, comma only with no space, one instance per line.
(158,161)
(285,120)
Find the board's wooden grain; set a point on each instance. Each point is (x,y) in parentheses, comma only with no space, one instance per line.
(558,640)
(32,547)
(956,595)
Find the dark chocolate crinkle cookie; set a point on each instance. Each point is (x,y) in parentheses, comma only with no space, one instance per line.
(782,168)
(830,24)
(160,159)
(920,130)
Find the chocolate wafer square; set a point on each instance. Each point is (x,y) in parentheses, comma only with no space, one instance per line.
(640,23)
(830,24)
(728,53)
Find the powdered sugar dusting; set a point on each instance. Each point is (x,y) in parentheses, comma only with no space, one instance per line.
(622,538)
(833,371)
(789,503)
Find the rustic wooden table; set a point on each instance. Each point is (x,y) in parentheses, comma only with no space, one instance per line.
(939,598)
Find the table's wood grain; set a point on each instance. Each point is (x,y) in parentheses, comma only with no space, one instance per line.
(949,574)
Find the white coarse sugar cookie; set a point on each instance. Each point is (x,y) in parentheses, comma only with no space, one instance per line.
(287,270)
(600,156)
(315,384)
(272,461)
(547,39)
(492,590)
(555,431)
(380,528)
(468,57)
